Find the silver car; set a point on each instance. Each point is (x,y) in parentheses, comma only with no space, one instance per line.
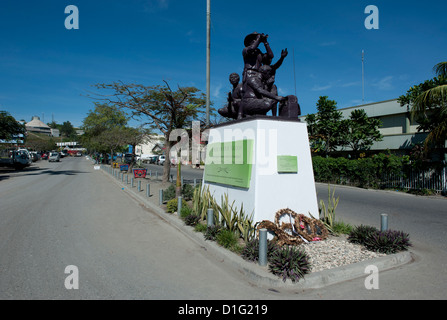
(54,156)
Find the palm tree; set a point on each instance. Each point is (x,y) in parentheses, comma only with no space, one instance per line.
(434,100)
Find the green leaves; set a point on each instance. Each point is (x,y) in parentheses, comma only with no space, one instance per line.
(9,127)
(328,131)
(428,101)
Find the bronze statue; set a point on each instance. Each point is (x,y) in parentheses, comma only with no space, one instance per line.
(257,99)
(234,98)
(257,94)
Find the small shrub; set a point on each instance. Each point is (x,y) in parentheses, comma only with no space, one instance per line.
(169,193)
(192,220)
(212,232)
(251,250)
(187,191)
(389,241)
(226,238)
(186,211)
(289,262)
(361,233)
(200,227)
(340,227)
(172,205)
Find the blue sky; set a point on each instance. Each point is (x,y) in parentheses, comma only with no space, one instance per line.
(47,70)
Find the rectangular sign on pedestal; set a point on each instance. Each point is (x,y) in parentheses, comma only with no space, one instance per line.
(229,163)
(287,164)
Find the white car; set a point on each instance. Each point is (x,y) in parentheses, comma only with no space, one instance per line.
(161,160)
(54,156)
(26,154)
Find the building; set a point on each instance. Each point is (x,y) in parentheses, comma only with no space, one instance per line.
(37,126)
(398,129)
(153,145)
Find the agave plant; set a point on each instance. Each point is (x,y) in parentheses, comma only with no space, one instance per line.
(245,225)
(327,213)
(290,262)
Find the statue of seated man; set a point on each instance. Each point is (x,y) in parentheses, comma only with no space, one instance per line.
(234,98)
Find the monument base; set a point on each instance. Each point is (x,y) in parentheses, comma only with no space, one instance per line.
(264,164)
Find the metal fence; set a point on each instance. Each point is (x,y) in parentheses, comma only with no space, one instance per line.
(430,179)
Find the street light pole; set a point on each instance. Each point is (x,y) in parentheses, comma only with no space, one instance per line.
(208,49)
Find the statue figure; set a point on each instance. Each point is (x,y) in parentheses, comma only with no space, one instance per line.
(253,57)
(257,99)
(257,94)
(234,98)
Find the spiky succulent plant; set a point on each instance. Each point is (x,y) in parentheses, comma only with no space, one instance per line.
(251,250)
(361,233)
(389,241)
(290,262)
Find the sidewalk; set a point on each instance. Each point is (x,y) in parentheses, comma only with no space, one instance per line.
(254,273)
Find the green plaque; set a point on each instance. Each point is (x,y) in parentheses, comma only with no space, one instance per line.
(229,163)
(287,164)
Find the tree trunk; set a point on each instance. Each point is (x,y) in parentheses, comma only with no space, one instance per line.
(167,164)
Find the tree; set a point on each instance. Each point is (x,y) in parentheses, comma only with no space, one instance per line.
(68,130)
(164,108)
(9,127)
(102,119)
(429,105)
(112,140)
(326,128)
(362,131)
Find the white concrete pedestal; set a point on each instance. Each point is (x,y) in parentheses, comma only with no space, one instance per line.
(281,167)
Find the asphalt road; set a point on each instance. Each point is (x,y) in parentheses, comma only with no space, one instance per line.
(55,215)
(63,214)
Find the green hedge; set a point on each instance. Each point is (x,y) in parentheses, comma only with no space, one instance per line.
(363,172)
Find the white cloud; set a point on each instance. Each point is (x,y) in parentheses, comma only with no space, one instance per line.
(321,88)
(384,83)
(216,90)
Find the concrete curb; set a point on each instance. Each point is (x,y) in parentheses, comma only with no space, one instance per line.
(259,275)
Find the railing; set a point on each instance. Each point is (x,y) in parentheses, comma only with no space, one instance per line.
(430,179)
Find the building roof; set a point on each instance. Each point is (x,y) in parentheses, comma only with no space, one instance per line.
(36,123)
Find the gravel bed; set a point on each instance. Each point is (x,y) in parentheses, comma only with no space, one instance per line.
(336,252)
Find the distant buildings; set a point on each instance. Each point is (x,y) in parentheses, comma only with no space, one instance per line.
(37,126)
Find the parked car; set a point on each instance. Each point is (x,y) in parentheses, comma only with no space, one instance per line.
(161,160)
(44,156)
(78,154)
(128,158)
(34,156)
(25,155)
(54,156)
(153,159)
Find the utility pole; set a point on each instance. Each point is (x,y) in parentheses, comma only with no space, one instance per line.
(363,77)
(208,49)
